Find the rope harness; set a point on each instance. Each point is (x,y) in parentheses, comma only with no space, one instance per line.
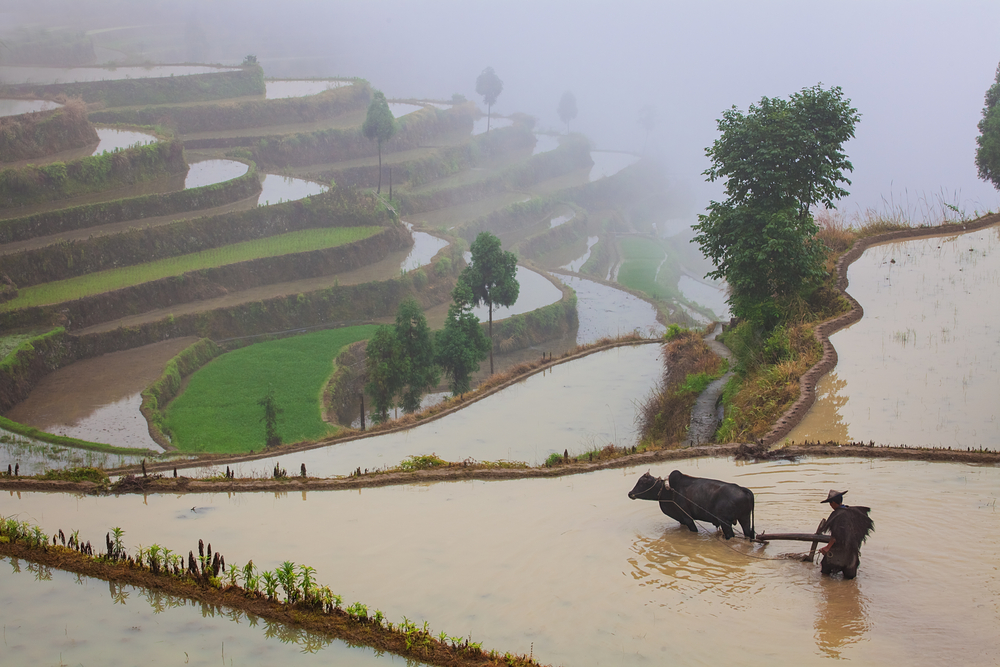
(700,527)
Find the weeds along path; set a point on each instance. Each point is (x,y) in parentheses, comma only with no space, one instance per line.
(705,414)
(807,383)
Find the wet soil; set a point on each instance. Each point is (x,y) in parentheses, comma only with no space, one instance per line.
(66,401)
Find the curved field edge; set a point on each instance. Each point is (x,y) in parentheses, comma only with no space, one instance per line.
(353,625)
(218,410)
(462,472)
(93,284)
(823,330)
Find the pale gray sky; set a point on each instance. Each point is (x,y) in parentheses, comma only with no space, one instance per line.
(916,71)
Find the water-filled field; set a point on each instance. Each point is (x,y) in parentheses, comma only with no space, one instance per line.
(10,107)
(573,570)
(922,367)
(17,74)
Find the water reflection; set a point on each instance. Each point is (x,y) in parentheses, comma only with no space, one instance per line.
(578,263)
(479,125)
(922,367)
(276,189)
(15,74)
(841,616)
(112,139)
(608,163)
(10,107)
(275,90)
(542,415)
(605,311)
(575,570)
(210,172)
(400,109)
(545,143)
(124,624)
(425,246)
(708,295)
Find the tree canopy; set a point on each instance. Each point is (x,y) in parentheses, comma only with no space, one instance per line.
(386,368)
(491,277)
(419,373)
(779,160)
(461,344)
(567,107)
(489,85)
(988,153)
(380,126)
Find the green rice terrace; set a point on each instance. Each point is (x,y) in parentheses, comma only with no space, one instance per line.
(267,286)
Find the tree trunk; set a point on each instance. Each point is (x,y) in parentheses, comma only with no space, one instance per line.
(489,111)
(379,191)
(491,327)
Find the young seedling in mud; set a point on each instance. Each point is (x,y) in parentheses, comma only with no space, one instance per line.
(270,585)
(287,578)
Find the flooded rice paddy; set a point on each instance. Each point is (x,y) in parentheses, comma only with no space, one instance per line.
(479,125)
(609,163)
(16,74)
(922,367)
(130,625)
(96,399)
(210,172)
(112,139)
(400,109)
(10,107)
(276,189)
(281,89)
(545,143)
(548,413)
(708,295)
(575,572)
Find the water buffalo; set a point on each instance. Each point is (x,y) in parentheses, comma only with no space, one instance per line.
(687,499)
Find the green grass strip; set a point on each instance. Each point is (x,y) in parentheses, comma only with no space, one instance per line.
(218,411)
(640,259)
(112,279)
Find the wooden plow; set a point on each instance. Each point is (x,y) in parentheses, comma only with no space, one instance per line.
(815,538)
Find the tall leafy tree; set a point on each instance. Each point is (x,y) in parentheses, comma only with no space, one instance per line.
(386,369)
(461,345)
(420,372)
(778,160)
(491,277)
(379,126)
(567,107)
(489,85)
(988,153)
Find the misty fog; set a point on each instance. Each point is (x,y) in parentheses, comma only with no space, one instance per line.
(917,72)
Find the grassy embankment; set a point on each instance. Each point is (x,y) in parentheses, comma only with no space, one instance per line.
(219,411)
(104,281)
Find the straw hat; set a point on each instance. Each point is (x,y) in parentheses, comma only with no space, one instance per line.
(834,496)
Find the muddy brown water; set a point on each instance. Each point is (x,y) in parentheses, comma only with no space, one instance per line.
(98,399)
(573,570)
(922,367)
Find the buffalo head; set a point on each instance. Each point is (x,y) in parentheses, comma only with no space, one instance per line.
(647,488)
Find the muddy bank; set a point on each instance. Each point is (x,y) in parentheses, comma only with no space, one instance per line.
(807,383)
(155,484)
